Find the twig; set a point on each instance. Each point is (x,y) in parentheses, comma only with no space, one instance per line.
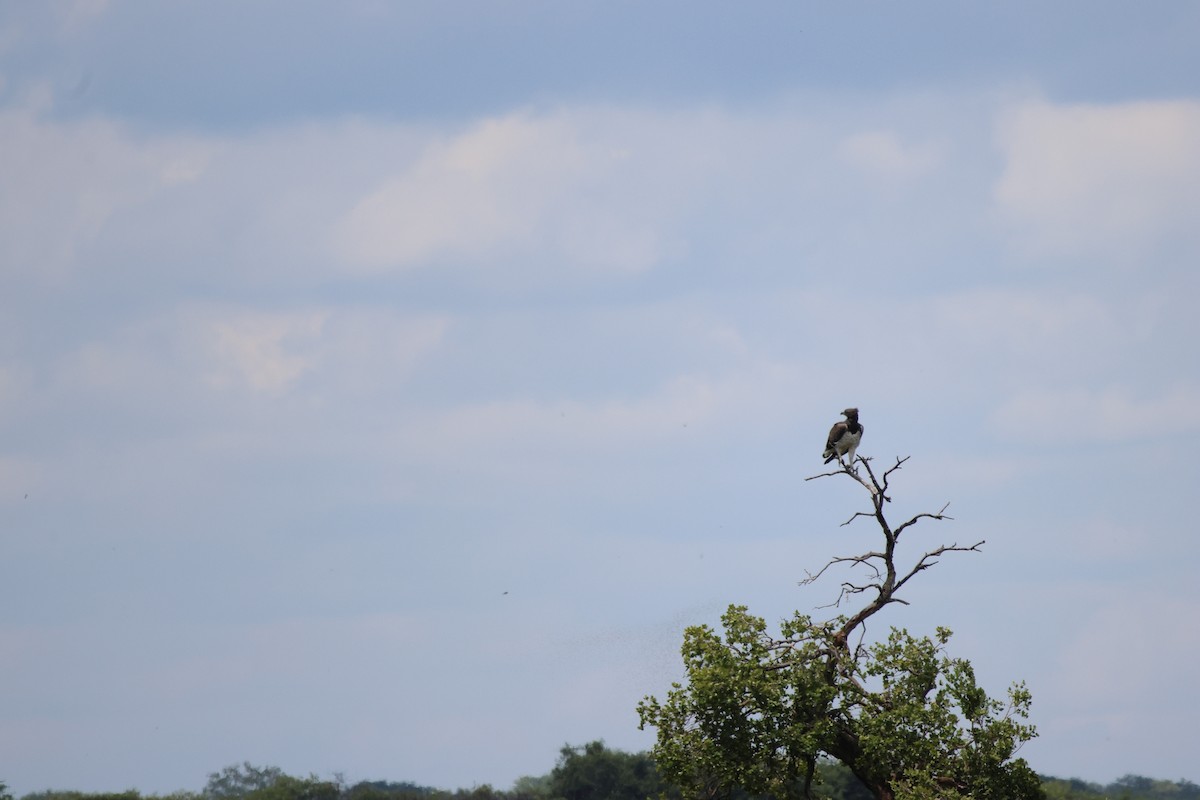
(925,515)
(865,558)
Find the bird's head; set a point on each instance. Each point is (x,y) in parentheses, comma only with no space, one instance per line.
(851,413)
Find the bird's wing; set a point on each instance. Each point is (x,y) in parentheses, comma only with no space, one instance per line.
(835,433)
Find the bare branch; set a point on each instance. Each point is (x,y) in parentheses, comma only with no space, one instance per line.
(836,603)
(849,470)
(848,589)
(939,515)
(854,588)
(928,560)
(899,463)
(865,559)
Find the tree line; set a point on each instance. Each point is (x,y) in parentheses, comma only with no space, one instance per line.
(591,771)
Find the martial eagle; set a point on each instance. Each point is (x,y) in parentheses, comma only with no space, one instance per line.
(844,438)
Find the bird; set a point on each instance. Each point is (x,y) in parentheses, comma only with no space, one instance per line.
(844,438)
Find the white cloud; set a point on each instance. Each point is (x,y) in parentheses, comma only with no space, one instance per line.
(1101,180)
(65,183)
(484,188)
(335,351)
(589,191)
(882,153)
(510,184)
(262,349)
(76,14)
(214,357)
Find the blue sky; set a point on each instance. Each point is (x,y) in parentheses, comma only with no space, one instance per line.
(385,386)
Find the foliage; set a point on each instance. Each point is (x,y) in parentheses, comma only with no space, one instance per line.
(837,782)
(240,780)
(593,772)
(386,790)
(247,782)
(1129,787)
(759,711)
(286,787)
(531,787)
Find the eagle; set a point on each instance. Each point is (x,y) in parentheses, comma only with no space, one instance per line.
(844,438)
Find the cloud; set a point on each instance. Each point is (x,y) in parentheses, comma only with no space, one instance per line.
(514,200)
(479,190)
(76,14)
(882,153)
(204,368)
(1099,181)
(66,184)
(595,189)
(589,190)
(262,350)
(509,184)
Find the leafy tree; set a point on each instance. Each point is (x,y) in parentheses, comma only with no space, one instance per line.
(240,780)
(1139,787)
(386,790)
(286,787)
(1073,789)
(594,772)
(1127,787)
(839,783)
(530,787)
(759,711)
(484,792)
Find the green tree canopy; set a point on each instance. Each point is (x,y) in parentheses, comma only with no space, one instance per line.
(240,780)
(594,772)
(287,787)
(388,790)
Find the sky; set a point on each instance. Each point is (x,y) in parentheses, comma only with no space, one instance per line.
(384,387)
